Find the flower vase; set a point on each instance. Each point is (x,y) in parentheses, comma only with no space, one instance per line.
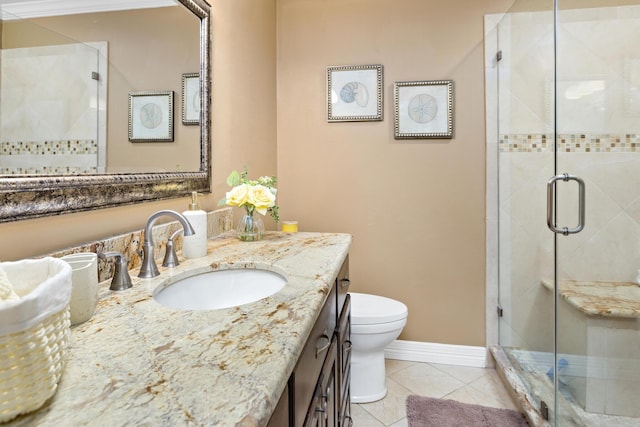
(250,227)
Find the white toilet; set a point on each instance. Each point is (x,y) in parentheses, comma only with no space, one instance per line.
(375,322)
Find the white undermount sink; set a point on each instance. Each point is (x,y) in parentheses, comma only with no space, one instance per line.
(220,289)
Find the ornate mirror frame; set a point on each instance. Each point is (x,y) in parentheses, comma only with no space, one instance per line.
(38,196)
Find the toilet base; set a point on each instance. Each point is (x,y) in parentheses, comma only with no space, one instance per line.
(368,382)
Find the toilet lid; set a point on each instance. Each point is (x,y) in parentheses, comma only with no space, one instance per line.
(372,309)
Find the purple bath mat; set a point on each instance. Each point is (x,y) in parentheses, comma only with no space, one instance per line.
(430,412)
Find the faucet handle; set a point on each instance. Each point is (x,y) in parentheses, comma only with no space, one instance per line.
(170,257)
(149,268)
(121,279)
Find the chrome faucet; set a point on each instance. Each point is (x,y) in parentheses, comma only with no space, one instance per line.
(170,257)
(149,267)
(121,279)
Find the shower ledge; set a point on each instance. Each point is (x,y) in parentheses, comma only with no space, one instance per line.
(606,299)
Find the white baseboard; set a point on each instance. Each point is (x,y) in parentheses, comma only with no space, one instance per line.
(415,351)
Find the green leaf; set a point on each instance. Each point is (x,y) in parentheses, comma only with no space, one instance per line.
(233,179)
(222,201)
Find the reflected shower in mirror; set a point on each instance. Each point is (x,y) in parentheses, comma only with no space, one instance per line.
(64,86)
(68,72)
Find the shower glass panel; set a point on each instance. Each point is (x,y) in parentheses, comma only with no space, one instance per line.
(568,101)
(49,110)
(525,74)
(598,139)
(53,118)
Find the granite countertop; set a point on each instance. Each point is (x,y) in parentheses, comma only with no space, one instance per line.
(607,299)
(136,362)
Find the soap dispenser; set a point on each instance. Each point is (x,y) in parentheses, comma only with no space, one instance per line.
(195,246)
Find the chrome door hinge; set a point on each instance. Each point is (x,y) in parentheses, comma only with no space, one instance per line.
(544,410)
(499,310)
(499,56)
(95,75)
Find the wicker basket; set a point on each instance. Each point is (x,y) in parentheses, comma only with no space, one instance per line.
(32,354)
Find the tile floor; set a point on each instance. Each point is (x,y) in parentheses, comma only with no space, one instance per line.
(471,385)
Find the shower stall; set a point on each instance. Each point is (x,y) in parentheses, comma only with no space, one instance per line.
(563,216)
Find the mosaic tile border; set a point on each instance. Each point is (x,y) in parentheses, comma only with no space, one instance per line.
(40,157)
(569,143)
(41,148)
(44,170)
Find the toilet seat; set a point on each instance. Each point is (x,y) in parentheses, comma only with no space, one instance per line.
(373,309)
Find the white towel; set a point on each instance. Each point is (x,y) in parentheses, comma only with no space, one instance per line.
(6,288)
(44,288)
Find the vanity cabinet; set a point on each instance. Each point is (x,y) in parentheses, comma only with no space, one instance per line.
(343,335)
(317,393)
(323,411)
(304,382)
(280,415)
(344,365)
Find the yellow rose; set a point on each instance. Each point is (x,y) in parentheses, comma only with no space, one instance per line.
(238,195)
(261,198)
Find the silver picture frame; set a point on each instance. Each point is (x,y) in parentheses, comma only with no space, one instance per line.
(354,93)
(151,116)
(191,99)
(423,109)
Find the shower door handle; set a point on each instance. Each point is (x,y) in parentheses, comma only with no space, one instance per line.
(551,202)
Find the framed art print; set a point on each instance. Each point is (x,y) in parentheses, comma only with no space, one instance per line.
(151,116)
(191,99)
(423,109)
(354,93)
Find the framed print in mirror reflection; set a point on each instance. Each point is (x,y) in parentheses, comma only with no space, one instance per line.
(151,116)
(423,109)
(190,99)
(354,93)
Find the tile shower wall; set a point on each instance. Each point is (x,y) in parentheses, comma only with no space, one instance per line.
(606,250)
(45,127)
(48,157)
(606,381)
(598,125)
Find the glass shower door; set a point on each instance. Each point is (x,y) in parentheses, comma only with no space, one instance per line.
(598,139)
(525,74)
(49,120)
(568,89)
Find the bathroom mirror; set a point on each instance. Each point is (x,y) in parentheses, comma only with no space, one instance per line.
(32,195)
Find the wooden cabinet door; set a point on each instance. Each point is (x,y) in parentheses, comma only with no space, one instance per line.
(310,363)
(344,364)
(323,411)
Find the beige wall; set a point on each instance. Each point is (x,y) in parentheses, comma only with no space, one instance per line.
(244,92)
(415,208)
(243,42)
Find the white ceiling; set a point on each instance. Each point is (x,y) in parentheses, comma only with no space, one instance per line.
(24,9)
